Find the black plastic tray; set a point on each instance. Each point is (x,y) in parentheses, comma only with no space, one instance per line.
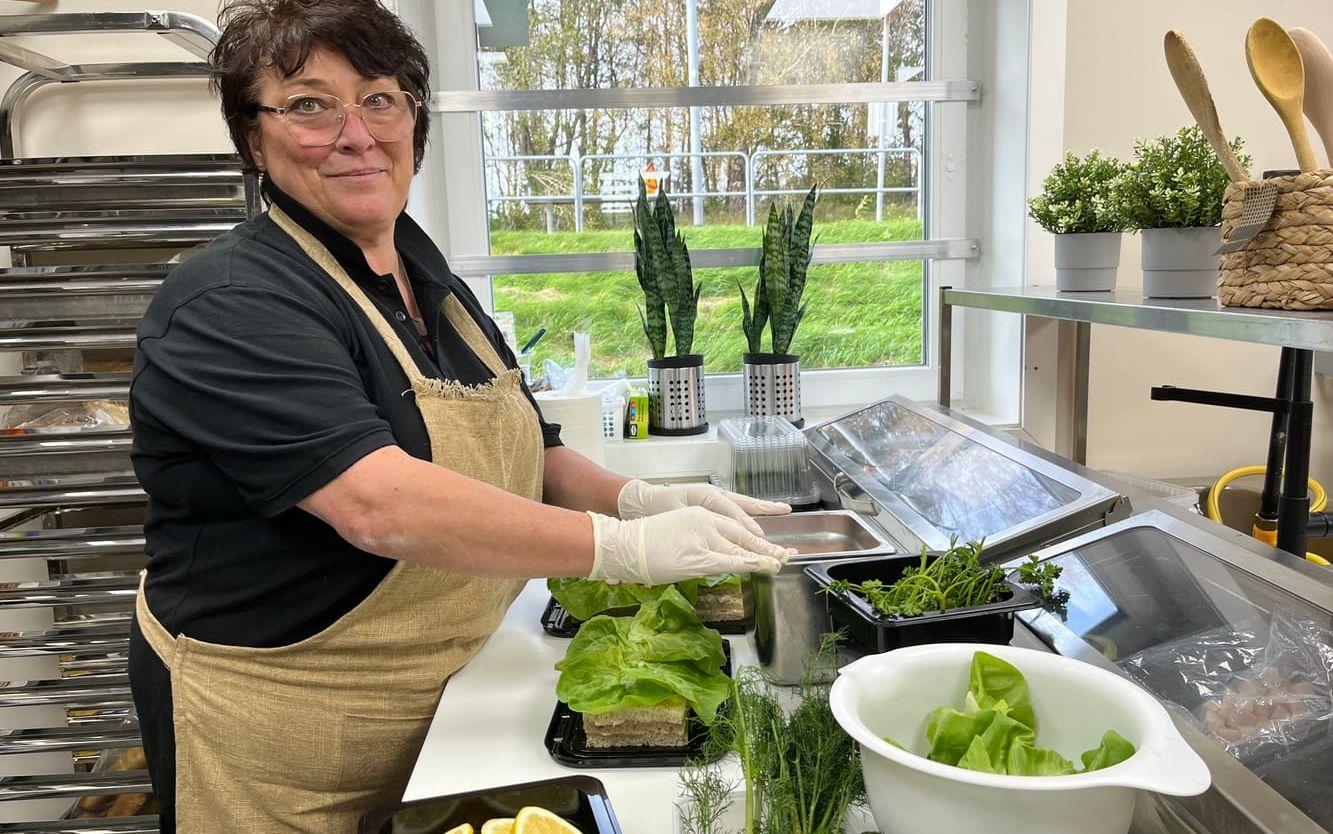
(568,745)
(867,628)
(557,622)
(579,799)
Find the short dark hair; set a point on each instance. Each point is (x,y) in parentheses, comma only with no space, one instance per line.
(259,34)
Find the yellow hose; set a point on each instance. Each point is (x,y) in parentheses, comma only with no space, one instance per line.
(1318,501)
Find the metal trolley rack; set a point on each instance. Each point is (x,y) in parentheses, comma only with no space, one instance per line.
(74,508)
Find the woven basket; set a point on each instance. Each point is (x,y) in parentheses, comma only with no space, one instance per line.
(1288,265)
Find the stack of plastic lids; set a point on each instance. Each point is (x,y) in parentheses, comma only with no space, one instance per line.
(766,457)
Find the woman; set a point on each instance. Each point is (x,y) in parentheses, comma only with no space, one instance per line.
(347,479)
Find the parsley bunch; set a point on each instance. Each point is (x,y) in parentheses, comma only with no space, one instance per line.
(957,579)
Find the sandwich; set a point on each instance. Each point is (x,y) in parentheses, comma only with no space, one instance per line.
(637,681)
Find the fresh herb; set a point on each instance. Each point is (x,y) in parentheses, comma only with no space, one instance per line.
(663,651)
(1079,196)
(583,599)
(1042,576)
(801,771)
(956,579)
(710,797)
(996,730)
(1175,182)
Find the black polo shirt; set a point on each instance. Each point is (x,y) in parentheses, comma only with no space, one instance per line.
(256,382)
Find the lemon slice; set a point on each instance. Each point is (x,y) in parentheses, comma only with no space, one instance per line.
(499,825)
(534,820)
(465,828)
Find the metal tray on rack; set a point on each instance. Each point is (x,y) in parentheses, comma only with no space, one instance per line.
(63,388)
(66,333)
(66,451)
(80,490)
(112,182)
(53,292)
(47,231)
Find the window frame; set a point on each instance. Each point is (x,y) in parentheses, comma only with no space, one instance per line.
(950,120)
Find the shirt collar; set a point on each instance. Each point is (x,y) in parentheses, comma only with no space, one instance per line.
(424,261)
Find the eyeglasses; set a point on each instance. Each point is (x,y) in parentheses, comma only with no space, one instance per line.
(316,120)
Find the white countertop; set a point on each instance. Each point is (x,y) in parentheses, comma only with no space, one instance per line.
(490,726)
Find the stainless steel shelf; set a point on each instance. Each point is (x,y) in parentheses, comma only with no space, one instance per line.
(110,639)
(13,788)
(67,739)
(54,593)
(63,388)
(72,491)
(86,692)
(85,543)
(117,825)
(1127,308)
(67,334)
(69,451)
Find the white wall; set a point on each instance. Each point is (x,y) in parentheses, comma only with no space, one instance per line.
(1117,88)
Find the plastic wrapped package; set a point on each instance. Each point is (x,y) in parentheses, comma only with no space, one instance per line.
(99,414)
(1259,695)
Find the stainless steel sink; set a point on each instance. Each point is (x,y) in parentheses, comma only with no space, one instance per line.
(788,617)
(834,534)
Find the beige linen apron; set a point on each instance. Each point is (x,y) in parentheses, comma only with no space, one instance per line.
(308,737)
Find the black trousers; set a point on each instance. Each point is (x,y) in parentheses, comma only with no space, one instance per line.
(150,682)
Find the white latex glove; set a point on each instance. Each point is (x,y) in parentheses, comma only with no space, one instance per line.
(680,544)
(640,498)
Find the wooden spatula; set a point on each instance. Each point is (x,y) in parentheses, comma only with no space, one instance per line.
(1275,64)
(1193,88)
(1318,103)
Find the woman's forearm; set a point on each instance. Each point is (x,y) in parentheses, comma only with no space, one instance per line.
(576,483)
(394,505)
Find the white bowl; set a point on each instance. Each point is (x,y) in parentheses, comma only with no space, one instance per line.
(893,694)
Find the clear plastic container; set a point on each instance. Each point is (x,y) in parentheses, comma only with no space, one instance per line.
(768,458)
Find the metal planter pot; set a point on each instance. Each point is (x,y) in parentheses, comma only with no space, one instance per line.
(676,396)
(772,386)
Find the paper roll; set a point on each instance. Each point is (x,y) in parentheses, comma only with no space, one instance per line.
(580,419)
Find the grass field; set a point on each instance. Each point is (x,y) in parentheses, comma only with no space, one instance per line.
(860,314)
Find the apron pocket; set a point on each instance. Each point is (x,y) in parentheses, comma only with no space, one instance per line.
(256,743)
(378,752)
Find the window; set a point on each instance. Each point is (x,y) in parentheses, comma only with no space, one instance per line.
(578,98)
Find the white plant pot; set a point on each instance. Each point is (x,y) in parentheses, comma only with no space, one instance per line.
(890,695)
(1086,261)
(1181,263)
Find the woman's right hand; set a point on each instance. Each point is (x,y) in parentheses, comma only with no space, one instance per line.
(680,544)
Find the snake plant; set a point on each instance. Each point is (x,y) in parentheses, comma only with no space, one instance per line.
(662,265)
(784,262)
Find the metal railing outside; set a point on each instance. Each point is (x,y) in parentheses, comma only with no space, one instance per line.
(579,198)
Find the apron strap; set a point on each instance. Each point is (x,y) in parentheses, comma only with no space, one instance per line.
(325,260)
(467,328)
(454,311)
(158,637)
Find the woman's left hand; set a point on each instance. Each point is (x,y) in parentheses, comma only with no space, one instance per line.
(639,498)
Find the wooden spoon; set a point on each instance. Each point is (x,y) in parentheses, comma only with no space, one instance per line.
(1193,88)
(1276,66)
(1318,65)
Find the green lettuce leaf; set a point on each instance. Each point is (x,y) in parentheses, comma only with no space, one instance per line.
(995,731)
(1113,750)
(586,598)
(1026,760)
(662,651)
(992,680)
